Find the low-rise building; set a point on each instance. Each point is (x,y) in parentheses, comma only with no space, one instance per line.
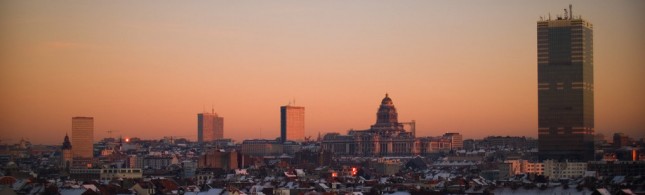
(109,174)
(388,166)
(188,168)
(85,174)
(525,167)
(135,161)
(157,162)
(456,140)
(560,170)
(617,168)
(261,147)
(218,159)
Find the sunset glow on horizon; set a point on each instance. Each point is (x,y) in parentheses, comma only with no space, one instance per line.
(146,68)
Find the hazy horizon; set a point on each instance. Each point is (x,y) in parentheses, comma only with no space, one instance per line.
(146,68)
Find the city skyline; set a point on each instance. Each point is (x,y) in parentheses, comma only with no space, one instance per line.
(452,66)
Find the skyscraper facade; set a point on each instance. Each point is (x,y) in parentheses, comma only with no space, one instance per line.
(292,123)
(210,127)
(83,137)
(565,89)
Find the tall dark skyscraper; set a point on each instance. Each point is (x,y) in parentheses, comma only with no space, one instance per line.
(565,88)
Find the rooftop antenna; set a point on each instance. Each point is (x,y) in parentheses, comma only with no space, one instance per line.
(549,15)
(566,15)
(212,109)
(570,11)
(294,101)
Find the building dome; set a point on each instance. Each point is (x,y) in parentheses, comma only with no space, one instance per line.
(386,100)
(387,112)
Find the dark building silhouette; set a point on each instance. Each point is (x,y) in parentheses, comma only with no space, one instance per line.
(621,140)
(66,157)
(565,88)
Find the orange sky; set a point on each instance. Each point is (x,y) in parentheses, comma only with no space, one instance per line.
(146,68)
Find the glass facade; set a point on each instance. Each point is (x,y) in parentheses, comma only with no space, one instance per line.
(83,137)
(565,90)
(292,123)
(210,127)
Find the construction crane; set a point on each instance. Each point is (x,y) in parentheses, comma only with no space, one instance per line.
(412,125)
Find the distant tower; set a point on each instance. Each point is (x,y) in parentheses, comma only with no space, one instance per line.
(292,123)
(83,137)
(210,127)
(565,89)
(66,157)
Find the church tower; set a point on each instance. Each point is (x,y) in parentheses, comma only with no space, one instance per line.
(66,157)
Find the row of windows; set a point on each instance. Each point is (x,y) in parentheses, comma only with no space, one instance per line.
(121,171)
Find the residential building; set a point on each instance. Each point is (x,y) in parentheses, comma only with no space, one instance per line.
(456,140)
(429,145)
(533,168)
(135,161)
(261,147)
(107,175)
(188,168)
(85,174)
(218,159)
(565,89)
(157,162)
(524,167)
(617,168)
(387,167)
(564,170)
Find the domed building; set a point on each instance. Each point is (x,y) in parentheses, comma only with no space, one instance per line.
(387,137)
(386,118)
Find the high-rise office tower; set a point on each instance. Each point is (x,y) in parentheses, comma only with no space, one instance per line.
(83,137)
(292,123)
(565,88)
(209,127)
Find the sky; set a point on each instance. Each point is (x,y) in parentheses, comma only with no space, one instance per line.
(146,68)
